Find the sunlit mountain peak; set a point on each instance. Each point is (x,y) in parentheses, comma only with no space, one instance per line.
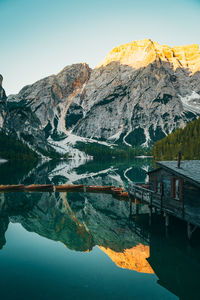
(141,53)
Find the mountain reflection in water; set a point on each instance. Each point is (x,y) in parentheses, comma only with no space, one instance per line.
(82,221)
(132,259)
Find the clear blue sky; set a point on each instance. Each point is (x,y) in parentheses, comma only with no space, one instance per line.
(41,37)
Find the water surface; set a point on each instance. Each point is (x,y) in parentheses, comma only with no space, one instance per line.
(87,246)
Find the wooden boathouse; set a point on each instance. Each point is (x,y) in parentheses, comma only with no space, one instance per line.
(174,189)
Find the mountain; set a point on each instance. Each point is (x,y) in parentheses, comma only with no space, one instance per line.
(10,146)
(187,140)
(36,113)
(140,93)
(141,53)
(3,99)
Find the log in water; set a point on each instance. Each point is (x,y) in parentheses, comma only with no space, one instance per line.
(17,187)
(39,187)
(116,191)
(69,187)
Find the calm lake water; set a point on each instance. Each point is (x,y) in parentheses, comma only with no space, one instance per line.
(87,246)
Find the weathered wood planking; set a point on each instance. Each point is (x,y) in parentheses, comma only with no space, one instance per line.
(117,191)
(69,187)
(39,187)
(18,187)
(168,205)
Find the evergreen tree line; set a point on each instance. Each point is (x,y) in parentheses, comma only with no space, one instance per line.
(186,140)
(11,148)
(103,152)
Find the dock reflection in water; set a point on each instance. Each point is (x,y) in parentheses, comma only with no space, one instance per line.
(116,257)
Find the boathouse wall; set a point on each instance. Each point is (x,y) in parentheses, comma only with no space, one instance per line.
(160,182)
(170,186)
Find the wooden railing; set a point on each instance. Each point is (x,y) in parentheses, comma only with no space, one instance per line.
(166,204)
(143,194)
(154,199)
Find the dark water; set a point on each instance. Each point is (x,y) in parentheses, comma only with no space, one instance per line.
(87,246)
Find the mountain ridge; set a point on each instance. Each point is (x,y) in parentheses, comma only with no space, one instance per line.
(143,52)
(116,103)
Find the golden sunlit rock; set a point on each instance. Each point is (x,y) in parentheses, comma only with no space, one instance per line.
(132,259)
(140,53)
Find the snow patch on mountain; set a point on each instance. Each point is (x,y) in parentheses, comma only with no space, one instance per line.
(191,102)
(117,135)
(68,145)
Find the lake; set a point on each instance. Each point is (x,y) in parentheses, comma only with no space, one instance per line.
(88,246)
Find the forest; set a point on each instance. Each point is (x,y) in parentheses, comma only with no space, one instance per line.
(103,152)
(13,149)
(186,140)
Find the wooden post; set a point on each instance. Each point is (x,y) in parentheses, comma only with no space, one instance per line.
(155,186)
(189,231)
(173,184)
(151,199)
(166,219)
(130,205)
(162,196)
(166,224)
(183,206)
(161,202)
(150,215)
(84,189)
(137,208)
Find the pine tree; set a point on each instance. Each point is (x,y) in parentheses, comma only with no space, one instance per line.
(187,140)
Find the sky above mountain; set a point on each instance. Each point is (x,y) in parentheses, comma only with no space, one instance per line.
(40,37)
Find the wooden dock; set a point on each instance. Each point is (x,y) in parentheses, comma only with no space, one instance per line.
(166,205)
(118,192)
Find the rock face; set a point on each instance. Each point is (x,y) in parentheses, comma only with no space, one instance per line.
(36,113)
(141,92)
(141,53)
(49,97)
(3,99)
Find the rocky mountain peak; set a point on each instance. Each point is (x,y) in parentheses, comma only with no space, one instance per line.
(141,53)
(140,93)
(2,103)
(1,79)
(2,91)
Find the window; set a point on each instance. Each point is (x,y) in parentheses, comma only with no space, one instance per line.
(158,187)
(176,188)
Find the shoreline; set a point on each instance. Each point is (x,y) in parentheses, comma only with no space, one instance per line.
(143,156)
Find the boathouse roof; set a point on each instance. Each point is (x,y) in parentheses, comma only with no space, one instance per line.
(189,169)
